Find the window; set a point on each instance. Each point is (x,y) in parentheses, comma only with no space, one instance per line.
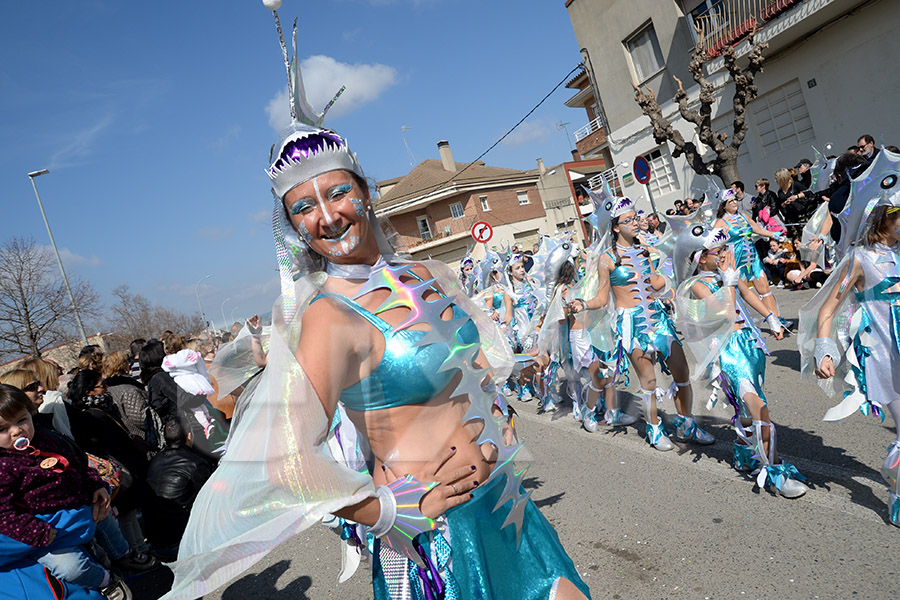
(457,211)
(646,57)
(484,204)
(782,118)
(424,228)
(523,198)
(662,172)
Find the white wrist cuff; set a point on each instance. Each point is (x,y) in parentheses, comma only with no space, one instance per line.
(774,323)
(825,346)
(388,511)
(729,277)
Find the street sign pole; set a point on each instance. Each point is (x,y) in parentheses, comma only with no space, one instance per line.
(641,169)
(650,197)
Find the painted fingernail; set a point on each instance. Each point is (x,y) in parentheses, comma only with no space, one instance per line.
(471,496)
(453,448)
(475,484)
(474,468)
(383,468)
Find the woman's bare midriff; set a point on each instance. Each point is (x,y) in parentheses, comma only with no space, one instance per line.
(407,438)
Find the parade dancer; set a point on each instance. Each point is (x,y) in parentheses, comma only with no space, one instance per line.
(644,330)
(712,303)
(414,362)
(848,331)
(467,277)
(740,230)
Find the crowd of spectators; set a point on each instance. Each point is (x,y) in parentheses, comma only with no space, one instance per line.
(143,422)
(786,206)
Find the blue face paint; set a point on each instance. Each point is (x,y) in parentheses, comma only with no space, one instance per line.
(304,232)
(300,205)
(359,206)
(339,190)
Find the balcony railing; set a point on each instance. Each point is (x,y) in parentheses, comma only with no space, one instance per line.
(594,125)
(727,22)
(446,230)
(612,178)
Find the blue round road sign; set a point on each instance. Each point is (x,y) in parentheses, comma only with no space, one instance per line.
(641,170)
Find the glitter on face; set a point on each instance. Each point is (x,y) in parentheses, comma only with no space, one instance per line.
(359,206)
(304,232)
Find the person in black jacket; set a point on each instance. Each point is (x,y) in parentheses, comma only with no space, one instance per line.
(175,477)
(162,391)
(765,198)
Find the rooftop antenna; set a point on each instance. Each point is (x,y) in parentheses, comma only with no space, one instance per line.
(412,158)
(561,125)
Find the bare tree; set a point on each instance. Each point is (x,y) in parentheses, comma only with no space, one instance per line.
(35,311)
(724,165)
(134,316)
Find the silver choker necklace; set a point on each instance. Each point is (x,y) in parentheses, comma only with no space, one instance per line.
(354,271)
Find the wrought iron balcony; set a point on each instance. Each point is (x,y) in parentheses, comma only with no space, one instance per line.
(726,22)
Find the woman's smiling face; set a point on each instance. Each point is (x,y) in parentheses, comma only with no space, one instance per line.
(330,214)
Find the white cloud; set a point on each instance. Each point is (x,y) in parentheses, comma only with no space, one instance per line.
(530,131)
(261,216)
(323,76)
(80,146)
(73,259)
(215,234)
(230,134)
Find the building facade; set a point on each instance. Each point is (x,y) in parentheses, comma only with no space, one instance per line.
(434,207)
(821,86)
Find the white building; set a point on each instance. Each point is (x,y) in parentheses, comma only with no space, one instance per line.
(827,79)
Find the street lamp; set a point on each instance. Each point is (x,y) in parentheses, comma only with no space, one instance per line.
(222,309)
(197,292)
(31,176)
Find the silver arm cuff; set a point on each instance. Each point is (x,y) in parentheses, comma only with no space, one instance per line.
(388,511)
(729,277)
(825,346)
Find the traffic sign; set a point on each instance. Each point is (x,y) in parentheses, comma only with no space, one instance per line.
(641,170)
(482,232)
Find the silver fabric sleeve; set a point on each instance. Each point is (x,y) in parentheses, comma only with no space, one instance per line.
(825,346)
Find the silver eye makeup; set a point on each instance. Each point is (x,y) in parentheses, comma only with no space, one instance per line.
(301,206)
(339,190)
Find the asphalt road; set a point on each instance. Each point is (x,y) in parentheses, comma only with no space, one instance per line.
(641,524)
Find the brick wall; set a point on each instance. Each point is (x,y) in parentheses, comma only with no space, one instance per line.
(503,204)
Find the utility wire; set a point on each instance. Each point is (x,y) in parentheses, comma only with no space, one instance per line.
(437,186)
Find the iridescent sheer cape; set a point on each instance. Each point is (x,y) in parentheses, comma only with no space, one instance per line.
(280,475)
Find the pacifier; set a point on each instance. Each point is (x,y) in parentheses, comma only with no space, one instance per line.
(22,443)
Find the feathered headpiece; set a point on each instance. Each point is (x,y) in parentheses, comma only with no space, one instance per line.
(690,242)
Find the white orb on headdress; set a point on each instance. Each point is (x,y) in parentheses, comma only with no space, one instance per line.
(272,4)
(708,213)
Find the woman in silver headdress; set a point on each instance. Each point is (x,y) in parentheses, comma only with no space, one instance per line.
(849,334)
(377,406)
(712,310)
(645,332)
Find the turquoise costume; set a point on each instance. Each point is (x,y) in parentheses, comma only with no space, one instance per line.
(646,326)
(489,560)
(408,373)
(740,235)
(742,362)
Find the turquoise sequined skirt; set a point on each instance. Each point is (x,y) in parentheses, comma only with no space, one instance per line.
(486,562)
(744,364)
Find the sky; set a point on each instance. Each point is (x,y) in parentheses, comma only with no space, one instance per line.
(155,120)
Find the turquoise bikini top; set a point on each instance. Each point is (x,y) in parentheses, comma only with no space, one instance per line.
(407,373)
(498,300)
(621,275)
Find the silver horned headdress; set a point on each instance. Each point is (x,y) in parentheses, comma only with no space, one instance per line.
(691,242)
(304,150)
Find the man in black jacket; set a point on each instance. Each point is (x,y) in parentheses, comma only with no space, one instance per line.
(175,477)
